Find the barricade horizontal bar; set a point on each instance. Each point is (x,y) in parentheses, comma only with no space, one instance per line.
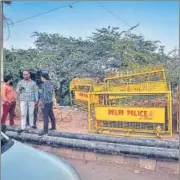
(145,135)
(135,92)
(131,75)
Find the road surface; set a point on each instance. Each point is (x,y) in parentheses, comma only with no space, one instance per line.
(94,170)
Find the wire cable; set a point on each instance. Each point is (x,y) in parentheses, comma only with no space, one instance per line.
(117,17)
(6,23)
(45,12)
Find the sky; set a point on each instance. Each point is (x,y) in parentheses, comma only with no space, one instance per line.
(158,20)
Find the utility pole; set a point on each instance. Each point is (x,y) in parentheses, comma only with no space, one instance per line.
(1,38)
(1,44)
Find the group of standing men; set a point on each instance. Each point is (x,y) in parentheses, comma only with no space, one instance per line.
(30,97)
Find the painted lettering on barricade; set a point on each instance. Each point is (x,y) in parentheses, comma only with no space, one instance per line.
(84,96)
(130,114)
(81,96)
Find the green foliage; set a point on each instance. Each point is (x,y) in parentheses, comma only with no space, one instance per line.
(107,49)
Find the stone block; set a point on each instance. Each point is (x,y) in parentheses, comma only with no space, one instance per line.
(149,164)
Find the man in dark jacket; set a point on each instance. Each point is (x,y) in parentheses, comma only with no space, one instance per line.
(46,102)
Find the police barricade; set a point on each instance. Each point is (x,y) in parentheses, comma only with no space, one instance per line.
(79,88)
(155,74)
(76,81)
(81,94)
(140,71)
(145,113)
(140,79)
(154,86)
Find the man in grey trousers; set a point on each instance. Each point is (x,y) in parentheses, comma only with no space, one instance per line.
(28,93)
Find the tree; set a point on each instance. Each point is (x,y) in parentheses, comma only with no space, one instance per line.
(108,49)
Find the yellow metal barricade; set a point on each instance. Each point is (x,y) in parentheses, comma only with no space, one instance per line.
(137,80)
(81,96)
(150,86)
(145,72)
(80,89)
(131,103)
(136,103)
(136,114)
(76,81)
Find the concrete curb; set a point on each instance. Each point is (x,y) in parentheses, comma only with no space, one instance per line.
(130,162)
(99,147)
(173,144)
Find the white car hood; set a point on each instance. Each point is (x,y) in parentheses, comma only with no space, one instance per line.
(22,162)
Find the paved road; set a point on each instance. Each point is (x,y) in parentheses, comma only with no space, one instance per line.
(102,171)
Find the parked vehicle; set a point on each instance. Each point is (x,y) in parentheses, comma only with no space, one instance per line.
(22,162)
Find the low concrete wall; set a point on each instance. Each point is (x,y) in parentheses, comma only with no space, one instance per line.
(101,147)
(130,162)
(172,144)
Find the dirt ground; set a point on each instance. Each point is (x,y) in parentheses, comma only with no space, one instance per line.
(68,119)
(101,171)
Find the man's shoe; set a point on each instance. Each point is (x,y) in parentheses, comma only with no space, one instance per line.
(20,131)
(34,127)
(14,126)
(42,133)
(3,128)
(28,128)
(52,129)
